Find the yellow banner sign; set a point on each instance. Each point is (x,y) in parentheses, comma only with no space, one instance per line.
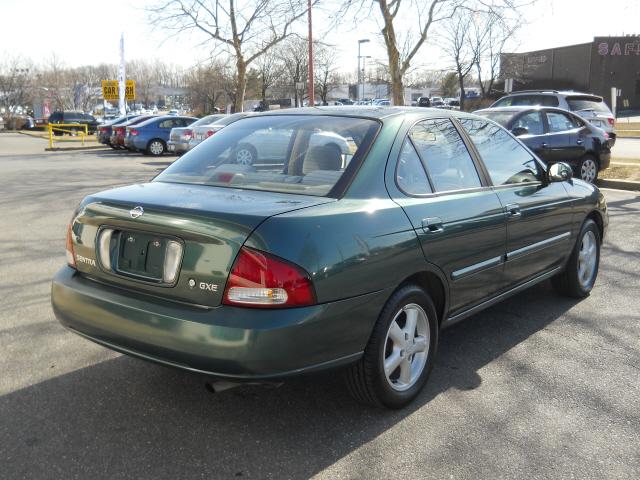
(110,90)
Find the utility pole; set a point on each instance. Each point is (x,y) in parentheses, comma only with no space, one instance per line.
(122,80)
(312,101)
(360,42)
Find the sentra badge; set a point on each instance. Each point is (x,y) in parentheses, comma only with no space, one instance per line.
(88,261)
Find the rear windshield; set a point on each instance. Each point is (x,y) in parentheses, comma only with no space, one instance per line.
(499,117)
(208,120)
(527,100)
(596,104)
(282,153)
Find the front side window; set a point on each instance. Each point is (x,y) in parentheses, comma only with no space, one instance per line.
(283,153)
(560,122)
(446,157)
(410,174)
(506,160)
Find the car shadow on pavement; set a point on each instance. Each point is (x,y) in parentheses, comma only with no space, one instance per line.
(128,418)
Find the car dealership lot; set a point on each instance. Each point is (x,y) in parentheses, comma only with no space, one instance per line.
(538,386)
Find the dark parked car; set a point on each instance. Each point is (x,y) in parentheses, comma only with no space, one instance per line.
(118,132)
(424,102)
(151,136)
(72,118)
(590,107)
(103,134)
(556,135)
(249,274)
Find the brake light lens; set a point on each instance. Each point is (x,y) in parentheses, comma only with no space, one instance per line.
(210,132)
(133,131)
(187,134)
(71,255)
(611,121)
(261,280)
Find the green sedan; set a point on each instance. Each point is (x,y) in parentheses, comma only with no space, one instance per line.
(326,258)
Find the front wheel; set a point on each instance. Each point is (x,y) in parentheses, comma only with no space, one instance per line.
(399,357)
(156,148)
(581,271)
(588,169)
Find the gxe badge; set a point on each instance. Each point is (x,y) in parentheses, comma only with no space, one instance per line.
(136,212)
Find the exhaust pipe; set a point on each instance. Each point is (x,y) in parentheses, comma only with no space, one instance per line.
(222,385)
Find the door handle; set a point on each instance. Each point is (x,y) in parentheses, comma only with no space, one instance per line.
(432,225)
(513,210)
(579,141)
(545,144)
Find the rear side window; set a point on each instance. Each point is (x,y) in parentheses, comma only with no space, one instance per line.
(304,154)
(445,155)
(410,174)
(577,104)
(506,160)
(560,122)
(169,123)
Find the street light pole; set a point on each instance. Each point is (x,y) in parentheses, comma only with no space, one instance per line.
(360,42)
(312,101)
(364,81)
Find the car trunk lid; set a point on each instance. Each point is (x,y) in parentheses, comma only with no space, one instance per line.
(145,224)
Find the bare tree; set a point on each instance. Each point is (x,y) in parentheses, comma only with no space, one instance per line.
(456,44)
(15,81)
(325,70)
(246,29)
(489,33)
(405,29)
(205,86)
(270,70)
(293,54)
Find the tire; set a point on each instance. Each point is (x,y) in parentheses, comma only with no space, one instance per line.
(588,169)
(156,147)
(367,380)
(581,271)
(245,154)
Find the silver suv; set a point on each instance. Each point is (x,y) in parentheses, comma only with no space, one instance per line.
(588,106)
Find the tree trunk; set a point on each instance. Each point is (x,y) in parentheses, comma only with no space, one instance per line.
(461,85)
(397,89)
(241,84)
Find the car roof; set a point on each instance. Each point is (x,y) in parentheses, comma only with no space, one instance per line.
(366,111)
(564,93)
(521,108)
(163,117)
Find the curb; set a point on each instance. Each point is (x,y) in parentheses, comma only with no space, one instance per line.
(618,184)
(66,149)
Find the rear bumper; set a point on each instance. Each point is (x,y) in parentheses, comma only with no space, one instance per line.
(226,342)
(177,147)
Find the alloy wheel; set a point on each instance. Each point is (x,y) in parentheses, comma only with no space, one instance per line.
(406,347)
(156,148)
(244,157)
(587,259)
(588,170)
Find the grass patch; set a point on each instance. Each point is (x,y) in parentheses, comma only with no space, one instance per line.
(621,173)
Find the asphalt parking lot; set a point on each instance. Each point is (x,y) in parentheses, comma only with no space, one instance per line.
(539,386)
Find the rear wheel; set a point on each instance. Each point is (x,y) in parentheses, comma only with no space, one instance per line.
(399,356)
(588,169)
(581,271)
(156,147)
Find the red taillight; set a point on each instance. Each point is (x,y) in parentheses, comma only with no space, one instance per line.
(611,121)
(265,281)
(210,132)
(133,131)
(71,255)
(103,129)
(187,134)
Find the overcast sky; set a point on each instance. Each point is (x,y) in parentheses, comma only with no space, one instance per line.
(88,32)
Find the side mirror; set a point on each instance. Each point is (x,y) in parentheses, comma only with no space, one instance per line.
(559,172)
(519,131)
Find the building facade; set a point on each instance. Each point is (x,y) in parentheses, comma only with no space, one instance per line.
(594,67)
